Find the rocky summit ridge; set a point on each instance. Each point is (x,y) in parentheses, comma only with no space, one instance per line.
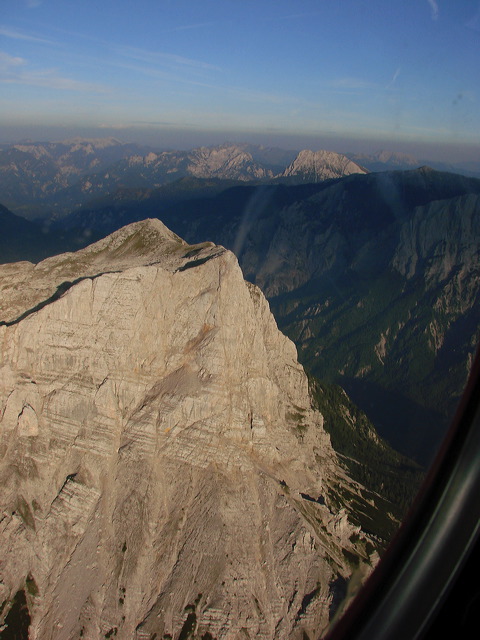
(316,166)
(162,471)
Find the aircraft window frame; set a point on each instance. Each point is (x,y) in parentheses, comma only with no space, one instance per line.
(406,592)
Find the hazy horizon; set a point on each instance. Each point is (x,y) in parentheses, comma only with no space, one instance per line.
(188,139)
(353,76)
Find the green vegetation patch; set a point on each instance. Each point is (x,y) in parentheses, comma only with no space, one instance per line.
(391,480)
(25,512)
(31,585)
(352,559)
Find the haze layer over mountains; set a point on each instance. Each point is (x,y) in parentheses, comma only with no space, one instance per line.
(55,177)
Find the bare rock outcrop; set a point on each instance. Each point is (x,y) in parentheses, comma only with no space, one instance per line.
(316,166)
(157,446)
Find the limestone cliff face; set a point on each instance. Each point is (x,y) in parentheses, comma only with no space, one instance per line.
(157,445)
(225,161)
(434,244)
(316,166)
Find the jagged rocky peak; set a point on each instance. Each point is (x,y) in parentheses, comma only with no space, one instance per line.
(26,285)
(162,469)
(227,161)
(322,165)
(63,151)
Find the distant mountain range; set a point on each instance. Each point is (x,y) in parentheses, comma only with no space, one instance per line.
(45,179)
(376,277)
(388,160)
(31,174)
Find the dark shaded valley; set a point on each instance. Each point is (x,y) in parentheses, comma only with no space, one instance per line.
(375,277)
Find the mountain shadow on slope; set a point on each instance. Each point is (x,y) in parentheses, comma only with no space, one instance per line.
(375,277)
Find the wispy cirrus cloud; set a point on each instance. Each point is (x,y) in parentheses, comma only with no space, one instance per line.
(16,70)
(241,94)
(165,67)
(50,79)
(434,8)
(14,34)
(151,63)
(8,62)
(161,59)
(394,78)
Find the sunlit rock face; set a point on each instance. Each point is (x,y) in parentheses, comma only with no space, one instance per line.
(157,446)
(315,166)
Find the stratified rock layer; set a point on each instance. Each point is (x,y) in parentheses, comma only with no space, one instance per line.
(160,462)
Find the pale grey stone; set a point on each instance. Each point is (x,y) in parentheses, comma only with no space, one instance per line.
(156,435)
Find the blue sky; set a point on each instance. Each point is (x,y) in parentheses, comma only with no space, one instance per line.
(405,71)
